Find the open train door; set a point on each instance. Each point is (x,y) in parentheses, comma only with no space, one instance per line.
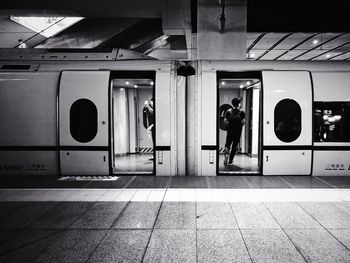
(84,122)
(287,122)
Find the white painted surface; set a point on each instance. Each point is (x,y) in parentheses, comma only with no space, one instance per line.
(287,162)
(279,85)
(163,161)
(91,85)
(164,121)
(28,109)
(162,107)
(28,163)
(209,162)
(331,163)
(208,108)
(84,163)
(255,121)
(192,122)
(207,115)
(331,86)
(181,125)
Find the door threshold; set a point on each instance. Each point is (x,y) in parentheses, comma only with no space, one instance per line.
(239,173)
(132,173)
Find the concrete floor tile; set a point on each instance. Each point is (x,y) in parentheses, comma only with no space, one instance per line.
(343,235)
(253,216)
(188,182)
(62,216)
(318,245)
(149,182)
(121,246)
(177,215)
(270,245)
(22,238)
(100,215)
(221,246)
(171,246)
(344,206)
(327,214)
(26,249)
(8,207)
(72,246)
(25,215)
(138,215)
(291,215)
(215,216)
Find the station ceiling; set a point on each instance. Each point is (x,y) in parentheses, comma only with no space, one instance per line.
(275,30)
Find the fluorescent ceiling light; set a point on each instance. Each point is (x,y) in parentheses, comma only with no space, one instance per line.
(46,26)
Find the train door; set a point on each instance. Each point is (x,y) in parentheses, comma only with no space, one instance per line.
(133,122)
(84,122)
(287,122)
(238,122)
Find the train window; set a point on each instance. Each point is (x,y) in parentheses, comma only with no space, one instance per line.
(83,120)
(287,120)
(331,121)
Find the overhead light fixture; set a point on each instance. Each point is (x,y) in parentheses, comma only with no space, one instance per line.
(241,86)
(135,86)
(152,83)
(315,41)
(248,82)
(223,83)
(328,55)
(127,82)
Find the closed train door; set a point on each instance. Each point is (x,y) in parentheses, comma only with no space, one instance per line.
(287,123)
(84,122)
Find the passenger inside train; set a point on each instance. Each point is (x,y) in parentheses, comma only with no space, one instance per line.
(133,126)
(239,155)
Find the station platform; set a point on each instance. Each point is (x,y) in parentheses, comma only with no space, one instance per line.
(175,219)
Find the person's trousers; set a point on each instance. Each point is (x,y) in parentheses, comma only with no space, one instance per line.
(232,141)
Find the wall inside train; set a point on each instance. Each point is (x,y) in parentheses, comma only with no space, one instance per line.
(121,121)
(129,132)
(28,123)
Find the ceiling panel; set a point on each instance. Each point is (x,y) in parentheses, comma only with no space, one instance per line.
(342,57)
(269,40)
(273,54)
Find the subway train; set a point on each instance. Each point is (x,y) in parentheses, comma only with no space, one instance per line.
(116,113)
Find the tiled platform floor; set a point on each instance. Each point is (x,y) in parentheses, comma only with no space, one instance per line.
(148,219)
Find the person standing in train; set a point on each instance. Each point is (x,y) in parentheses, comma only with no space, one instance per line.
(235,119)
(148,114)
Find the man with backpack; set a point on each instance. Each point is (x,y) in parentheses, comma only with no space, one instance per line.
(235,119)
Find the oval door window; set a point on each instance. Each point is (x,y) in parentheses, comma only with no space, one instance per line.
(287,120)
(83,120)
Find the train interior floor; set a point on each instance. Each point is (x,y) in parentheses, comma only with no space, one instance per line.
(134,163)
(242,163)
(175,219)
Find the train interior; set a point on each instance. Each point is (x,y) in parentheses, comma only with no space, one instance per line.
(246,159)
(133,128)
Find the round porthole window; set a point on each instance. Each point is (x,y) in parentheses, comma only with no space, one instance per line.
(287,123)
(83,120)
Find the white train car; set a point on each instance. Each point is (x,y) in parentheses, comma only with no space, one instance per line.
(85,114)
(297,117)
